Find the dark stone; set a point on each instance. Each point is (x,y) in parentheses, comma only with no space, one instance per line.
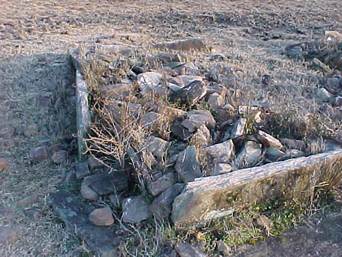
(82,170)
(74,213)
(179,131)
(104,183)
(187,165)
(135,209)
(39,154)
(161,184)
(190,94)
(162,205)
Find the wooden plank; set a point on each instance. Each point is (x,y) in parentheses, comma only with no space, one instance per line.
(217,196)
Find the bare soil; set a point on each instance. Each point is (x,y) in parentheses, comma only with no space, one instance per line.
(253,34)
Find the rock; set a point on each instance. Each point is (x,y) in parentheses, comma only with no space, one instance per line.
(161,184)
(39,154)
(292,153)
(3,164)
(221,153)
(117,91)
(197,118)
(215,100)
(101,217)
(324,95)
(217,196)
(202,137)
(34,213)
(293,144)
(274,154)
(337,101)
(183,45)
(161,205)
(223,248)
(151,82)
(81,169)
(157,146)
(93,163)
(250,155)
(151,120)
(8,234)
(222,168)
(186,250)
(333,85)
(190,94)
(135,209)
(295,52)
(87,192)
(236,130)
(268,140)
(60,157)
(187,165)
(184,80)
(75,214)
(179,131)
(104,184)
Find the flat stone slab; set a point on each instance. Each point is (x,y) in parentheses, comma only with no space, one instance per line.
(217,196)
(74,213)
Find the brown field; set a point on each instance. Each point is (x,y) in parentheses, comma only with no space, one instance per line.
(253,34)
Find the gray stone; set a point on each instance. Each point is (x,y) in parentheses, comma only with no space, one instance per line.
(222,168)
(60,157)
(292,153)
(101,217)
(157,146)
(215,101)
(197,118)
(187,165)
(39,154)
(295,52)
(249,156)
(162,205)
(183,45)
(135,209)
(161,184)
(184,80)
(104,183)
(187,250)
(237,130)
(268,141)
(337,101)
(217,196)
(202,137)
(274,154)
(221,153)
(179,131)
(151,82)
(94,164)
(293,144)
(82,169)
(87,192)
(74,213)
(190,94)
(150,120)
(324,95)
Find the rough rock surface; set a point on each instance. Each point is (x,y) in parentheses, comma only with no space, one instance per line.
(187,165)
(135,209)
(221,153)
(161,184)
(101,217)
(211,197)
(187,250)
(74,213)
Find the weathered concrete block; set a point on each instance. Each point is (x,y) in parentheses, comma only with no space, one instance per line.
(82,112)
(217,196)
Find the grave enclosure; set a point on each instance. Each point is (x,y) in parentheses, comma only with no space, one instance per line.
(195,152)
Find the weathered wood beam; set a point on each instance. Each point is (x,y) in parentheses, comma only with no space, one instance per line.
(217,196)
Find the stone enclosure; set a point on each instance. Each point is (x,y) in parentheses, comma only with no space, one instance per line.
(167,132)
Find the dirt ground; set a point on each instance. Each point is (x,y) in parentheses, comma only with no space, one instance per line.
(252,33)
